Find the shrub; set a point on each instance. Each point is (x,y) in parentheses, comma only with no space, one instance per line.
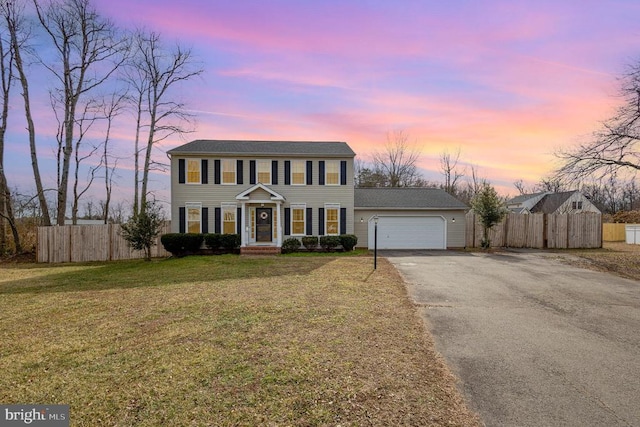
(181,244)
(329,243)
(230,242)
(310,243)
(213,240)
(290,245)
(348,241)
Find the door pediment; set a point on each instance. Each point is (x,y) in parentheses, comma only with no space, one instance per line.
(261,189)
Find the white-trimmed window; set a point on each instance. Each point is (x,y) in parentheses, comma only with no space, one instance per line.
(193,171)
(228,171)
(298,172)
(264,171)
(332,219)
(332,172)
(194,215)
(298,219)
(229,211)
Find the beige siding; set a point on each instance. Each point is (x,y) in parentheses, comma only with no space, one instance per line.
(212,195)
(455,230)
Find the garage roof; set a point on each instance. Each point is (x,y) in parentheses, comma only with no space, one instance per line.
(406,198)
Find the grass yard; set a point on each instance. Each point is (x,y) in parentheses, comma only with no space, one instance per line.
(222,341)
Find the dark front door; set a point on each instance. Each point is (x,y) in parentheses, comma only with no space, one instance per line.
(263,224)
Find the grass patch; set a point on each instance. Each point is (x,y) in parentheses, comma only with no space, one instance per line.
(614,257)
(222,341)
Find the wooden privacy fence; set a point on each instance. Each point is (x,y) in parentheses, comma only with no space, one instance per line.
(80,243)
(613,232)
(557,231)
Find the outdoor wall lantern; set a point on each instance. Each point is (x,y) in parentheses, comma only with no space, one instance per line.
(453,220)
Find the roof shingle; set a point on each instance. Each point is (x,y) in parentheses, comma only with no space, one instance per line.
(267,148)
(406,197)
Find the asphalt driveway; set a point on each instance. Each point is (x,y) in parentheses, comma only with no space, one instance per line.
(535,342)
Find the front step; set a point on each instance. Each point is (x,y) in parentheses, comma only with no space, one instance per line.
(260,250)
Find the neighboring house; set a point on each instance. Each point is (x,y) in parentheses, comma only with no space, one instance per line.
(524,202)
(409,218)
(552,203)
(266,191)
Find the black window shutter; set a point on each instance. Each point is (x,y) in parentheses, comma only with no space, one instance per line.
(309,230)
(252,171)
(287,221)
(321,221)
(321,172)
(343,220)
(204,220)
(274,172)
(343,172)
(287,172)
(182,219)
(204,172)
(239,221)
(216,171)
(217,220)
(239,172)
(181,171)
(309,172)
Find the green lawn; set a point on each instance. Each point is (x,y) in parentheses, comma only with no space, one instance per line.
(222,340)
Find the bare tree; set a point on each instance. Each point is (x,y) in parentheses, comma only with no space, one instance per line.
(6,209)
(450,171)
(20,34)
(398,160)
(154,74)
(89,49)
(613,147)
(111,109)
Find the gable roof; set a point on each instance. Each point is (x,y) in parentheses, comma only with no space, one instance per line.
(265,148)
(406,197)
(524,197)
(551,202)
(272,194)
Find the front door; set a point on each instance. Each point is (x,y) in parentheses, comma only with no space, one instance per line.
(263,225)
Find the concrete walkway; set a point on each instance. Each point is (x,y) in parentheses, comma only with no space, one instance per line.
(534,341)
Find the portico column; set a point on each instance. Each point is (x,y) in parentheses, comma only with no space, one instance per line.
(279,225)
(243,228)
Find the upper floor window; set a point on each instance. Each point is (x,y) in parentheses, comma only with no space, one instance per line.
(228,171)
(298,170)
(193,171)
(332,172)
(264,171)
(576,205)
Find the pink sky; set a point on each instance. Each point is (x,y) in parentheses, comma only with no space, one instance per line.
(506,82)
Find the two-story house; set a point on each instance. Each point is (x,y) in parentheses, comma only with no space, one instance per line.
(266,191)
(566,202)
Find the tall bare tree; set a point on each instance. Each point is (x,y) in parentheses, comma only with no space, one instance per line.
(398,160)
(614,146)
(450,171)
(155,73)
(19,35)
(6,80)
(89,50)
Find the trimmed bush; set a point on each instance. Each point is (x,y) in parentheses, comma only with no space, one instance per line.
(213,240)
(181,244)
(348,241)
(310,243)
(290,245)
(329,243)
(230,242)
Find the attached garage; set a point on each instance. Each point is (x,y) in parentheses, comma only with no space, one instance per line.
(409,218)
(409,232)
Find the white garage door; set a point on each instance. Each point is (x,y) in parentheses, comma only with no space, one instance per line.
(409,232)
